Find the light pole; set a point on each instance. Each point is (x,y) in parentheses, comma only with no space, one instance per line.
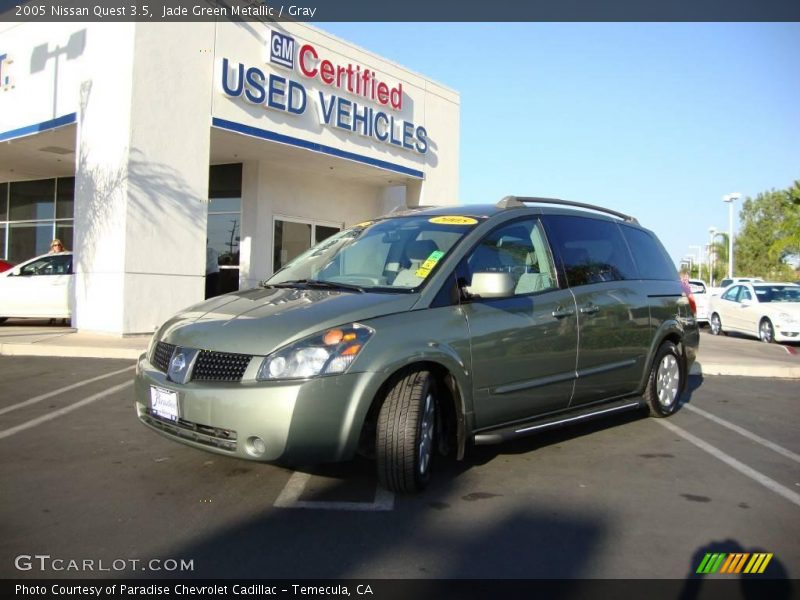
(729,199)
(712,232)
(699,261)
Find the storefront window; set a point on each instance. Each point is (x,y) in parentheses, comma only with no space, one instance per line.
(32,213)
(224,222)
(65,198)
(32,200)
(3,201)
(26,240)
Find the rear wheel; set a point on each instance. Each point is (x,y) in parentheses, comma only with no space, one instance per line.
(716,324)
(665,382)
(766,332)
(405,434)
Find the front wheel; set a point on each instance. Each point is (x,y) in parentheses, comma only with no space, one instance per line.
(405,434)
(766,332)
(665,381)
(715,324)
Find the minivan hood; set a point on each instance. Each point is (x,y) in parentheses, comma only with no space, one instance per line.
(261,320)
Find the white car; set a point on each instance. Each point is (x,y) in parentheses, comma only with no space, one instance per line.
(701,295)
(41,287)
(770,311)
(729,281)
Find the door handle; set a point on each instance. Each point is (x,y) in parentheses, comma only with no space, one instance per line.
(589,309)
(560,312)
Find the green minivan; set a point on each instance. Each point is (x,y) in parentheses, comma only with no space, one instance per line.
(426,331)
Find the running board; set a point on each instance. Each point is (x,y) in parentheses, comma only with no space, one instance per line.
(504,434)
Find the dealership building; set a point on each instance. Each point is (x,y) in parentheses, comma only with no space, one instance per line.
(141,145)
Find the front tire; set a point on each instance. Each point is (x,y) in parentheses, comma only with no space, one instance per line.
(665,382)
(405,434)
(766,331)
(715,324)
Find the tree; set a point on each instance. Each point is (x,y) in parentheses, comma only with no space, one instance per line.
(788,241)
(719,251)
(766,237)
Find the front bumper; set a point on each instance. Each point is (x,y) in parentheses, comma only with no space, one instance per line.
(303,421)
(787,332)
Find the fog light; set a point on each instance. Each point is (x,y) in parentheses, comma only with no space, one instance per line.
(256,446)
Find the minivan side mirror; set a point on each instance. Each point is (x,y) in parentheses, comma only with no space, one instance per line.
(491,285)
(747,302)
(16,271)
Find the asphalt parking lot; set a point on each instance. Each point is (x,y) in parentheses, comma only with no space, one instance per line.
(627,497)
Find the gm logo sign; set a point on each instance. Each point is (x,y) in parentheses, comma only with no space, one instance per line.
(281,50)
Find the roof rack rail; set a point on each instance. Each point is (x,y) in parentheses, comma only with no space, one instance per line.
(404,208)
(517,201)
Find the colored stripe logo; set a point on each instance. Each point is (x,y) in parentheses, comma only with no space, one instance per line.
(738,562)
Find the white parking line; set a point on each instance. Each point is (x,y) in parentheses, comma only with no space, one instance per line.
(62,411)
(290,498)
(757,476)
(742,431)
(67,388)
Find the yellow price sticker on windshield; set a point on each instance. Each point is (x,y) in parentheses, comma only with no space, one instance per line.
(430,262)
(453,220)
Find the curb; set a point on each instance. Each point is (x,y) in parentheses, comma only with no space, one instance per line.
(768,371)
(69,351)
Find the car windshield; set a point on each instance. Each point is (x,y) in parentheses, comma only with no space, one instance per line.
(393,254)
(777,293)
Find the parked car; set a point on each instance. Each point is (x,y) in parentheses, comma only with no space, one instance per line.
(41,287)
(729,281)
(424,332)
(5,265)
(700,293)
(769,311)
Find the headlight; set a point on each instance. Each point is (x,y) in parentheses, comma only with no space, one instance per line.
(786,317)
(326,353)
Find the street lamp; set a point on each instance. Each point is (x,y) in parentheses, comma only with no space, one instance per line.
(699,260)
(712,232)
(729,199)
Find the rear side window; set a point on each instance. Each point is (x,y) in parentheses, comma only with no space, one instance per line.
(592,250)
(651,259)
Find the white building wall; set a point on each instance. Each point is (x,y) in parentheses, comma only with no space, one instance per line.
(142,178)
(425,103)
(144,96)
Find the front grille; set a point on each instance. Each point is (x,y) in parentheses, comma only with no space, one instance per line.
(214,437)
(162,355)
(220,366)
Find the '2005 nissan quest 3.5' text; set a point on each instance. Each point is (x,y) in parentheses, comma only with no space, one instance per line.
(426,331)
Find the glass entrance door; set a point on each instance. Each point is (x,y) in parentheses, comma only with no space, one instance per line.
(291,237)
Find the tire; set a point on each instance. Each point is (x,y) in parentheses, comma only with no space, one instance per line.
(715,324)
(665,382)
(3,320)
(766,331)
(405,434)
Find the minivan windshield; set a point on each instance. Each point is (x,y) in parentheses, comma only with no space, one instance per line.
(395,254)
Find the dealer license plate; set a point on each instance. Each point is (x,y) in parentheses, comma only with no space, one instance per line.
(164,403)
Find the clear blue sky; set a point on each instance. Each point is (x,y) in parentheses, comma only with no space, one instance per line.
(658,120)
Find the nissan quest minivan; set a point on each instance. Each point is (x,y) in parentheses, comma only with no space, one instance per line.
(424,332)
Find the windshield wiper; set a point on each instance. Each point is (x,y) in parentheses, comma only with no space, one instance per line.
(316,283)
